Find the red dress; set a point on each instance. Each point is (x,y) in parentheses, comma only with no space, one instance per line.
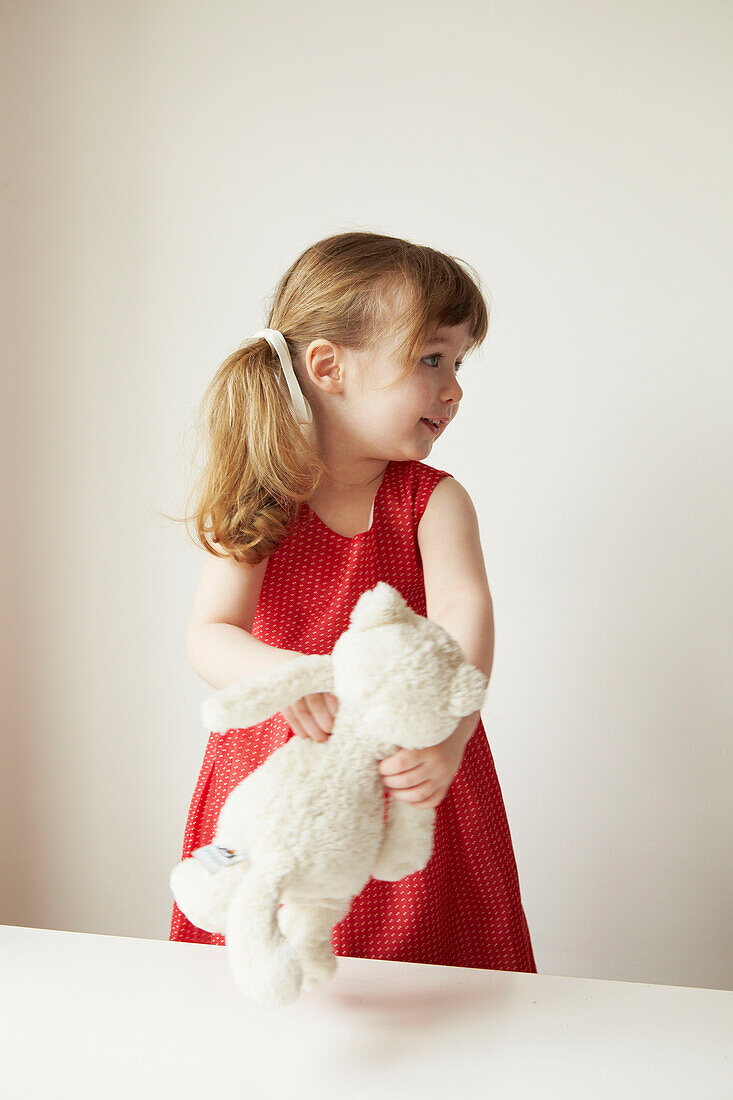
(464,908)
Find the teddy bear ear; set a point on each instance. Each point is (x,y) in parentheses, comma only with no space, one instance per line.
(378,606)
(467,690)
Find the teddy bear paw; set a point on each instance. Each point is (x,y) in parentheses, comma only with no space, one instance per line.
(316,971)
(393,872)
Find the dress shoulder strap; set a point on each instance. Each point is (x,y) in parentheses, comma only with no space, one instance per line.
(420,480)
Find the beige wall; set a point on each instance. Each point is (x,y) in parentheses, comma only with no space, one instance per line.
(162,164)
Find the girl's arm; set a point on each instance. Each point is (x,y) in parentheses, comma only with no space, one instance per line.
(471,623)
(223,654)
(220,646)
(456,586)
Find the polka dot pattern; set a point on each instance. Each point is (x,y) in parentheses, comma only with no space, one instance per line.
(464,908)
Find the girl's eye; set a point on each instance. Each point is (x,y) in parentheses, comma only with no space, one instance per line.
(438,356)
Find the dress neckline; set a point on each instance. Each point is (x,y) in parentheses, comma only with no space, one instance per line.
(376,506)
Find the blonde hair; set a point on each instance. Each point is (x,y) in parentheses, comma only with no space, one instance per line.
(356,289)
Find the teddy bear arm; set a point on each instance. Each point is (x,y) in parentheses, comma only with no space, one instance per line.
(256,698)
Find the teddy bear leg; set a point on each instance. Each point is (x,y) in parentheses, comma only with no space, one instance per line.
(264,965)
(407,842)
(203,896)
(308,924)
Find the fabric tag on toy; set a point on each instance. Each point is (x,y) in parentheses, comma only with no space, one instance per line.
(216,856)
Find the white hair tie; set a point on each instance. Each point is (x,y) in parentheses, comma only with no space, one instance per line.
(276,340)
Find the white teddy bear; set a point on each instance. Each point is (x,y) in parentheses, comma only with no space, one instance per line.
(306,828)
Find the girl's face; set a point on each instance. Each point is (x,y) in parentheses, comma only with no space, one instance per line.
(394,419)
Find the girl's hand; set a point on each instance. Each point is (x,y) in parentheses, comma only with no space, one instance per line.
(312,715)
(422,776)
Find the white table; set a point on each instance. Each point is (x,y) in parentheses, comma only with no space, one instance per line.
(103,1017)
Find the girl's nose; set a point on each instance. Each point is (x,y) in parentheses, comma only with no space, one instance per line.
(452,393)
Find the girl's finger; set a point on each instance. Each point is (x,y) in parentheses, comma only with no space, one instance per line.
(303,723)
(332,703)
(414,794)
(404,780)
(402,761)
(320,713)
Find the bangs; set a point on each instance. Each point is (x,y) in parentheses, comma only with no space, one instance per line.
(430,292)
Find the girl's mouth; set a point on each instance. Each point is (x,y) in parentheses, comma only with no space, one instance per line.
(434,428)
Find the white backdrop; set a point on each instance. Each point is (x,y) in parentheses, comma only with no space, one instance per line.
(162,164)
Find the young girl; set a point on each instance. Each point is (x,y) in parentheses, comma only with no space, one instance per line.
(316,488)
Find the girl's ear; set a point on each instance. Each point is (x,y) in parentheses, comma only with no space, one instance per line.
(323,365)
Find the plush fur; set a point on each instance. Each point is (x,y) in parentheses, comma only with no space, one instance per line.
(311,818)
